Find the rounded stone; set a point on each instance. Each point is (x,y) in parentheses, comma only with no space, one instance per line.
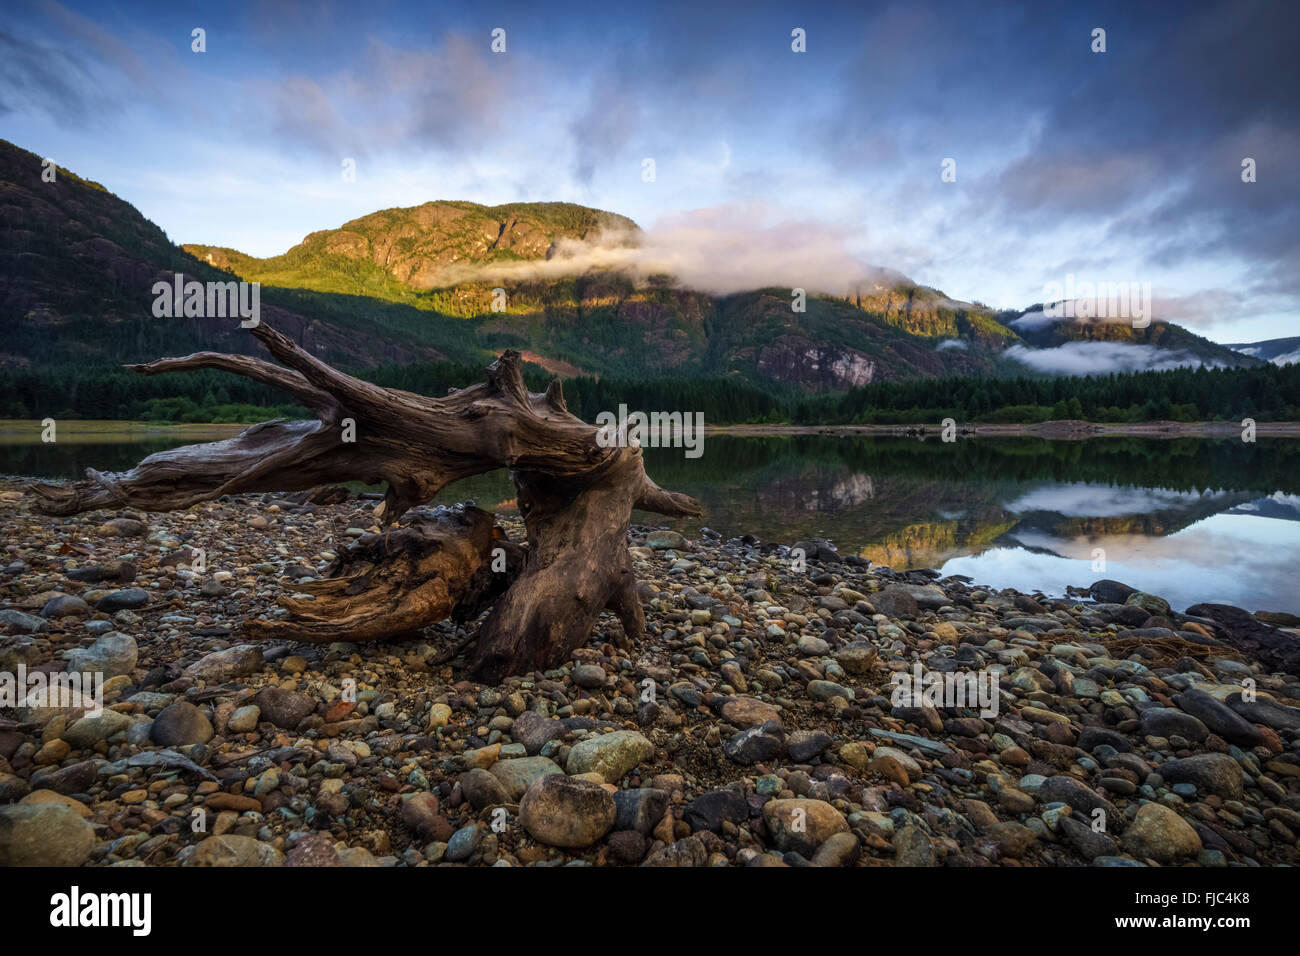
(228,849)
(746,712)
(244,719)
(611,755)
(1160,834)
(113,654)
(180,724)
(589,676)
(284,708)
(63,605)
(802,825)
(858,657)
(1212,772)
(44,834)
(88,731)
(220,666)
(123,600)
(564,812)
(518,774)
(439,715)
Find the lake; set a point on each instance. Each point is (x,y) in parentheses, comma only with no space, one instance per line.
(1191,519)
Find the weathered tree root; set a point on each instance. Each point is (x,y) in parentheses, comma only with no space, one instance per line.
(576,494)
(392,584)
(577,565)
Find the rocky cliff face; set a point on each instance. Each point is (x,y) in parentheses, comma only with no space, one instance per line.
(815,368)
(422,246)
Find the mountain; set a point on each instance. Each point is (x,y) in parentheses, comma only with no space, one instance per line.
(401,286)
(1278,351)
(392,253)
(1041,333)
(1278,505)
(77,269)
(602,322)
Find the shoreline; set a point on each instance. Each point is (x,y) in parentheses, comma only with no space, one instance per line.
(775,698)
(851,553)
(13,431)
(89,431)
(1065,430)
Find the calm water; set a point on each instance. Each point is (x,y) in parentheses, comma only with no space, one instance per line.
(1191,519)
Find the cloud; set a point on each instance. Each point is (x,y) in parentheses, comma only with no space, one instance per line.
(44,79)
(1069,309)
(1032,320)
(1126,162)
(1086,500)
(1073,183)
(453,96)
(1287,358)
(606,125)
(105,48)
(950,344)
(304,113)
(693,74)
(722,250)
(63,66)
(1102,358)
(1202,309)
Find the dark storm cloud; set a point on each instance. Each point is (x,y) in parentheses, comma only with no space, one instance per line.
(1143,142)
(1151,135)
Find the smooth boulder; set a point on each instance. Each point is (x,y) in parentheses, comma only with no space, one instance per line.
(565,812)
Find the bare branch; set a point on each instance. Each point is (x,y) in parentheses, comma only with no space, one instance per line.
(248,367)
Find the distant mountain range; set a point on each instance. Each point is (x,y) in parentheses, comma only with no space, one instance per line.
(1277,351)
(77,265)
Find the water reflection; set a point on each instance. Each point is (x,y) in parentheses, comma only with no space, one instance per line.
(1191,519)
(1238,559)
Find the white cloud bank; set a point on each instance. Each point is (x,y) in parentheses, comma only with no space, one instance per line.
(1102,358)
(721,250)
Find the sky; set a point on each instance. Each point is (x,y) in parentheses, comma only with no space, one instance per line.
(1115,166)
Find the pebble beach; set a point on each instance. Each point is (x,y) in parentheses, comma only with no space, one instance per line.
(756,724)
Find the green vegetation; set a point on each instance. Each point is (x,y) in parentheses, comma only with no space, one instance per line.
(79,264)
(1265,393)
(183,410)
(395,254)
(71,392)
(209,396)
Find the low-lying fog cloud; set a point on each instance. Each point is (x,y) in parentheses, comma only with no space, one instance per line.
(722,250)
(1101,358)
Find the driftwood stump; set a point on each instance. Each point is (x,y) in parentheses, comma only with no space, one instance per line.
(575,491)
(395,583)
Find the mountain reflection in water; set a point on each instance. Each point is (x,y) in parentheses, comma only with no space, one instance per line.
(1190,519)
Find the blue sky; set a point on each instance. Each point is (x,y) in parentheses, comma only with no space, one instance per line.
(1116,166)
